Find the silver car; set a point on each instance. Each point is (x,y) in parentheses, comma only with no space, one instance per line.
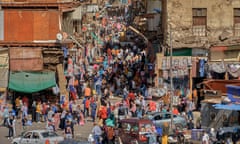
(38,137)
(159,118)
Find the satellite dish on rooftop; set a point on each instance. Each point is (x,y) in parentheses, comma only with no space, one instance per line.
(59,36)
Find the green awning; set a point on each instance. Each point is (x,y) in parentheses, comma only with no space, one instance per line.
(29,82)
(180,52)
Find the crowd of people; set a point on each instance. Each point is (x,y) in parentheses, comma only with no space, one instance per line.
(124,70)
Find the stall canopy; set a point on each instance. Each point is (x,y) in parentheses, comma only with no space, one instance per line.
(29,82)
(4,62)
(230,106)
(233,105)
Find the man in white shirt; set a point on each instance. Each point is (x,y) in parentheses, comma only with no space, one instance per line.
(205,138)
(97,132)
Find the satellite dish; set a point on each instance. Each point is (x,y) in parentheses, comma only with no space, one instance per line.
(59,36)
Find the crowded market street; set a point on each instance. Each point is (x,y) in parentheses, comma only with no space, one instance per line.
(119,72)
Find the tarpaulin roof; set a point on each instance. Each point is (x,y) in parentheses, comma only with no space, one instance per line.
(230,106)
(233,99)
(3,77)
(29,82)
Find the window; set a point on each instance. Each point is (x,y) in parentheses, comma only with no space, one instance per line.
(158,117)
(168,116)
(27,135)
(126,126)
(199,21)
(236,22)
(35,135)
(77,26)
(145,127)
(48,134)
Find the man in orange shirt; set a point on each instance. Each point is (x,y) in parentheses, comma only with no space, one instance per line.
(87,92)
(195,97)
(87,105)
(103,113)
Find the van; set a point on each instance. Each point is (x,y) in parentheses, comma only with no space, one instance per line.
(136,131)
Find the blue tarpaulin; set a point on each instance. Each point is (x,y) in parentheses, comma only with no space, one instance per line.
(233,99)
(230,106)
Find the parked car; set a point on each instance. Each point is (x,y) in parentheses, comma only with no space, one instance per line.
(38,137)
(159,118)
(72,141)
(136,131)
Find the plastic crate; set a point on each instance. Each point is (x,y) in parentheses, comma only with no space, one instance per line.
(197,134)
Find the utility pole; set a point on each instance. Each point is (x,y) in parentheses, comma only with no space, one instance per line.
(171,78)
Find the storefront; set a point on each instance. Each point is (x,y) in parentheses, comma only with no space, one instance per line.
(32,74)
(3,75)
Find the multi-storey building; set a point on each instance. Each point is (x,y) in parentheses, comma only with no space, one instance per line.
(213,25)
(32,34)
(205,34)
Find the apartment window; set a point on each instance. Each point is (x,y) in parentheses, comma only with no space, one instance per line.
(199,21)
(237,21)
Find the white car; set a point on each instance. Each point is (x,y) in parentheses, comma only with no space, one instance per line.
(38,137)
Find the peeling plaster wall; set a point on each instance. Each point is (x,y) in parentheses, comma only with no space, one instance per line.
(219,20)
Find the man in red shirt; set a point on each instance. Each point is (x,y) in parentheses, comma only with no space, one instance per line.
(175,111)
(131,95)
(25,100)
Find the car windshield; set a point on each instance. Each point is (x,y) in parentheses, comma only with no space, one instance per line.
(48,134)
(146,128)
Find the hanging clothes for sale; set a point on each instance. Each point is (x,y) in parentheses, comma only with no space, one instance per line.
(234,70)
(217,67)
(217,70)
(194,67)
(202,67)
(65,52)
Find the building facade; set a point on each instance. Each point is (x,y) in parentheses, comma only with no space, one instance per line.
(203,24)
(32,33)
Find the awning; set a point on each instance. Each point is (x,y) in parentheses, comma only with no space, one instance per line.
(29,82)
(180,52)
(3,77)
(230,106)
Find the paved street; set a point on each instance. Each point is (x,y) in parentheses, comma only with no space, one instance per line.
(81,132)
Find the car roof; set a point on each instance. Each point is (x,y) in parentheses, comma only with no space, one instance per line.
(136,120)
(154,113)
(40,131)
